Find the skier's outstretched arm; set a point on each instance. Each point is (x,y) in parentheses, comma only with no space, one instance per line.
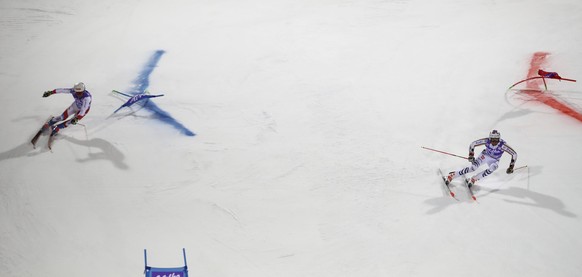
(513,154)
(472,146)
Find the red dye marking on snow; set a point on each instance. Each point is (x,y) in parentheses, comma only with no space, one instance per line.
(533,88)
(537,60)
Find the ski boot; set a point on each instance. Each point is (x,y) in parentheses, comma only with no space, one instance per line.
(471,182)
(54,131)
(48,124)
(450,178)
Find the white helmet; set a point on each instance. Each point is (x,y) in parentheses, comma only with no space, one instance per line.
(79,87)
(494,138)
(494,135)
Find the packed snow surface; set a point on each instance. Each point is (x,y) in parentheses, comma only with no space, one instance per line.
(307,120)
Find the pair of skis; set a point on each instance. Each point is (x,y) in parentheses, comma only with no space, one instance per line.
(43,129)
(451,193)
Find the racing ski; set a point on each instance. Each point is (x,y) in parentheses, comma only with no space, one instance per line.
(42,129)
(50,141)
(451,193)
(470,190)
(35,138)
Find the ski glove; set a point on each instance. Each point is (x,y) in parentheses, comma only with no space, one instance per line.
(509,169)
(471,158)
(74,121)
(48,93)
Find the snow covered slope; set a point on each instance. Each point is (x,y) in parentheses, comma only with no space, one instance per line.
(309,117)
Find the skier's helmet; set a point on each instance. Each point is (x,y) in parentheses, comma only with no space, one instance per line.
(79,87)
(494,137)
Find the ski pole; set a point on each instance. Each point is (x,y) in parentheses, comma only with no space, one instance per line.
(521,167)
(86,136)
(443,152)
(84,127)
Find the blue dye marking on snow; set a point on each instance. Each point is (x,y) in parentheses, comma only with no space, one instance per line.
(142,82)
(167,118)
